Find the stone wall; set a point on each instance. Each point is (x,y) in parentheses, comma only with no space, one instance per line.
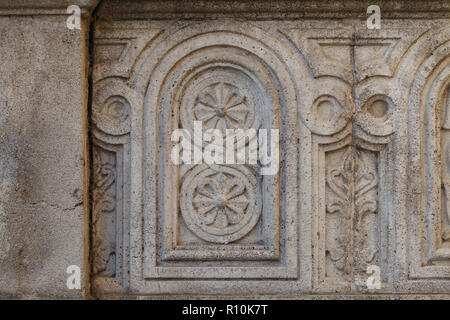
(360,191)
(43,134)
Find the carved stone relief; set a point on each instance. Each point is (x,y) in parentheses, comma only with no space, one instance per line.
(353,175)
(363,178)
(103,212)
(445,167)
(352,190)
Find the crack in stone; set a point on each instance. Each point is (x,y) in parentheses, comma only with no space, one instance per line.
(45,204)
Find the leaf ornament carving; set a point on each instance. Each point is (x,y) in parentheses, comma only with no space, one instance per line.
(104,177)
(103,202)
(353,196)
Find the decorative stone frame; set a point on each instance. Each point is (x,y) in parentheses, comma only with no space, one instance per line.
(366,116)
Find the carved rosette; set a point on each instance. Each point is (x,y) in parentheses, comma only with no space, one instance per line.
(221,106)
(221,98)
(198,221)
(220,204)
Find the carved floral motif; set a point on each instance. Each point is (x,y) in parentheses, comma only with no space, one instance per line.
(221,106)
(352,197)
(103,204)
(221,201)
(220,204)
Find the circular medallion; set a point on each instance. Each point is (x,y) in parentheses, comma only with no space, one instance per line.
(220,204)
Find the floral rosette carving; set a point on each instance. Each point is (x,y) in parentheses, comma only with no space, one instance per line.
(220,204)
(221,99)
(221,106)
(221,201)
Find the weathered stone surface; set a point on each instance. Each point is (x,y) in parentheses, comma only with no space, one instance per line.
(42,140)
(358,112)
(364,166)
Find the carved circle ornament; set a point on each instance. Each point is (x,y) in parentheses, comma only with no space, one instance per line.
(220,204)
(327,115)
(222,97)
(116,109)
(376,116)
(112,107)
(221,106)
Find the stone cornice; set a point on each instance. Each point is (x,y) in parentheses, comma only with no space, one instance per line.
(43,7)
(249,9)
(280,9)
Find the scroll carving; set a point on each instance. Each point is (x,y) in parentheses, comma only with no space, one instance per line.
(103,211)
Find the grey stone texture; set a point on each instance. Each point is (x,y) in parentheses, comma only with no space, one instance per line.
(43,125)
(86,172)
